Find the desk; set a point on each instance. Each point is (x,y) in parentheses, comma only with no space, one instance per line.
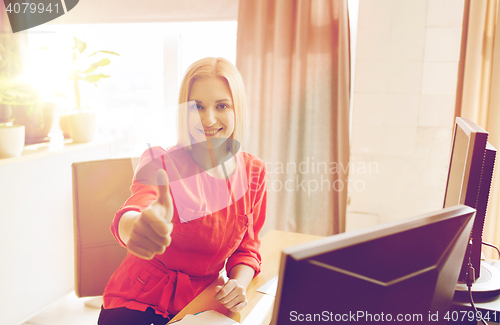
(486,305)
(259,309)
(491,307)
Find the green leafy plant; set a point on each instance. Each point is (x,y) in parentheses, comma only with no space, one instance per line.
(13,90)
(86,74)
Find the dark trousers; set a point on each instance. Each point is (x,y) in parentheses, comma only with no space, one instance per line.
(124,316)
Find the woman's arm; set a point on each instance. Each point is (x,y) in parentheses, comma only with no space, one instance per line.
(243,274)
(244,264)
(147,233)
(233,294)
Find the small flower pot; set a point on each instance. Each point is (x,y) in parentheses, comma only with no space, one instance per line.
(83,126)
(64,124)
(37,121)
(11,140)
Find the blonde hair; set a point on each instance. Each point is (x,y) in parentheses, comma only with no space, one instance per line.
(207,68)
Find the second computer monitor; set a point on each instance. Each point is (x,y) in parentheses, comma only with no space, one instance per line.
(469,180)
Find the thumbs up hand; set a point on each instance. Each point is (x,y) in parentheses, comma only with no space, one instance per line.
(150,233)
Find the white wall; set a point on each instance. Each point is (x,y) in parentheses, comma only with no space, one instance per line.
(133,11)
(406,66)
(36,228)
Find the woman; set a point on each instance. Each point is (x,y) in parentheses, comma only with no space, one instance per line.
(180,229)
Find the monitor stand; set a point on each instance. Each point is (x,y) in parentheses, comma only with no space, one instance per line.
(487,285)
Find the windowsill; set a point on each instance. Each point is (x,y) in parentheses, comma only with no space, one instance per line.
(57,145)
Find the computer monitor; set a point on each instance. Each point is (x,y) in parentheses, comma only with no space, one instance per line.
(469,180)
(406,271)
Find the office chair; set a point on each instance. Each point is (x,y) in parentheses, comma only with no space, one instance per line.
(99,189)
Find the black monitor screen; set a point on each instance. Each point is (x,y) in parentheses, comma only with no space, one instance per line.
(385,274)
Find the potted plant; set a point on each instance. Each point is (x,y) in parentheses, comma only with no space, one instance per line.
(11,136)
(36,115)
(20,100)
(83,122)
(13,95)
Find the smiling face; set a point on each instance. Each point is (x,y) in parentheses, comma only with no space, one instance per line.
(211,110)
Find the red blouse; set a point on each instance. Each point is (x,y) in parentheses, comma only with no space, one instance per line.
(214,220)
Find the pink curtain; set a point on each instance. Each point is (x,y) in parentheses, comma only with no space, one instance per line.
(478,97)
(294,57)
(4,21)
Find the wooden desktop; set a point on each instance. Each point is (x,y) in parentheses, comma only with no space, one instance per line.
(259,309)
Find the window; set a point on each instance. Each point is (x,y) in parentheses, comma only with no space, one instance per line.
(137,104)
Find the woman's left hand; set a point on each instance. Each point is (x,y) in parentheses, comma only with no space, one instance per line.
(232,295)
